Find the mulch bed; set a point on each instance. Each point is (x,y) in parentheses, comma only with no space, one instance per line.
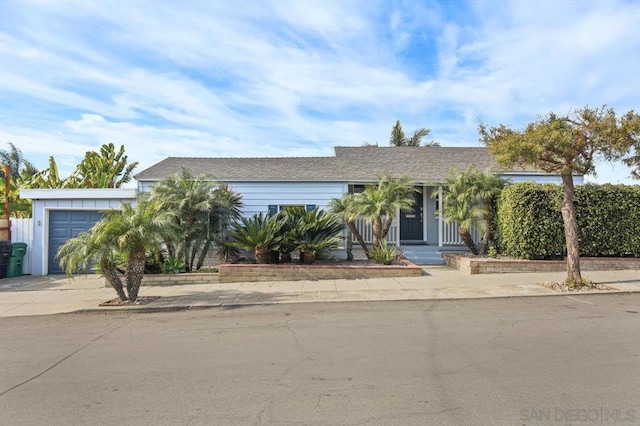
(329,262)
(562,287)
(143,300)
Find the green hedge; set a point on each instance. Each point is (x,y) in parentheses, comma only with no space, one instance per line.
(530,223)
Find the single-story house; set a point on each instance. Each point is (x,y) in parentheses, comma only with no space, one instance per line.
(268,184)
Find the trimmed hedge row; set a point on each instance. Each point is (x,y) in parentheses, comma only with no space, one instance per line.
(531,227)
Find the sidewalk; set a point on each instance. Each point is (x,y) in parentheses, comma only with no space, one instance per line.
(58,294)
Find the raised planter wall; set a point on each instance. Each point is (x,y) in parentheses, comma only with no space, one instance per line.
(296,272)
(179,279)
(474,266)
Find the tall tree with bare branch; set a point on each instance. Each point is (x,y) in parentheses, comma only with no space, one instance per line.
(566,145)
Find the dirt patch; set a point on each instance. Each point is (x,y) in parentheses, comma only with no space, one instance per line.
(562,287)
(118,302)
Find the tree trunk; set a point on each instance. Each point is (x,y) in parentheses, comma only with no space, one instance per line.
(488,230)
(203,254)
(467,239)
(114,280)
(352,227)
(377,232)
(571,232)
(192,258)
(262,255)
(387,225)
(135,273)
(309,258)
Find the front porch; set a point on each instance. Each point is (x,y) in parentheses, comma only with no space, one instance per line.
(424,226)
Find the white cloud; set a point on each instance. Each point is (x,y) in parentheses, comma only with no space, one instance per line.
(297,78)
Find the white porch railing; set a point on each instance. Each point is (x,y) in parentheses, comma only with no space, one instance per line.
(451,234)
(366,231)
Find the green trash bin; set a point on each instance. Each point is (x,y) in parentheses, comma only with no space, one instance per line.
(18,250)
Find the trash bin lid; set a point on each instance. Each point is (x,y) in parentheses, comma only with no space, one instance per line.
(18,248)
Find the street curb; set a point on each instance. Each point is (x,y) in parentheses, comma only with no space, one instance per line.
(180,308)
(143,310)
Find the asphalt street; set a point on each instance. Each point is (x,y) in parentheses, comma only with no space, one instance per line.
(517,361)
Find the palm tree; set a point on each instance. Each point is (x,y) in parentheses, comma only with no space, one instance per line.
(20,170)
(19,167)
(378,204)
(316,232)
(190,199)
(343,207)
(260,233)
(486,187)
(460,205)
(226,209)
(398,137)
(131,232)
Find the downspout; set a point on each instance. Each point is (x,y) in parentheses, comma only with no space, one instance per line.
(398,227)
(440,222)
(424,214)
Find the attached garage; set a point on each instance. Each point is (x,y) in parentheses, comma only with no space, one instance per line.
(66,224)
(61,214)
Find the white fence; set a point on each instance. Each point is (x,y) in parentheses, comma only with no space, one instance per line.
(366,231)
(22,232)
(451,234)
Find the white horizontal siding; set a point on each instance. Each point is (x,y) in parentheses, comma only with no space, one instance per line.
(257,196)
(145,186)
(41,208)
(517,178)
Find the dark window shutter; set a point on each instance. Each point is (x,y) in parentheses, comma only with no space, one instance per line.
(273,209)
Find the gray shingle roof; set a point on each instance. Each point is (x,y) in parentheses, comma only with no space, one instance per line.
(350,164)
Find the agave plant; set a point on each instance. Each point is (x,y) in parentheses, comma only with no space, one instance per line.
(384,254)
(173,265)
(261,234)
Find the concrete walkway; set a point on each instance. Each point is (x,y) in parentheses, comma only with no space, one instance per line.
(58,294)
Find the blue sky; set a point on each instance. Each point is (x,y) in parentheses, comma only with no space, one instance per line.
(295,78)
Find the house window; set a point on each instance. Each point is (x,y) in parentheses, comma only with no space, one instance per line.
(356,188)
(275,208)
